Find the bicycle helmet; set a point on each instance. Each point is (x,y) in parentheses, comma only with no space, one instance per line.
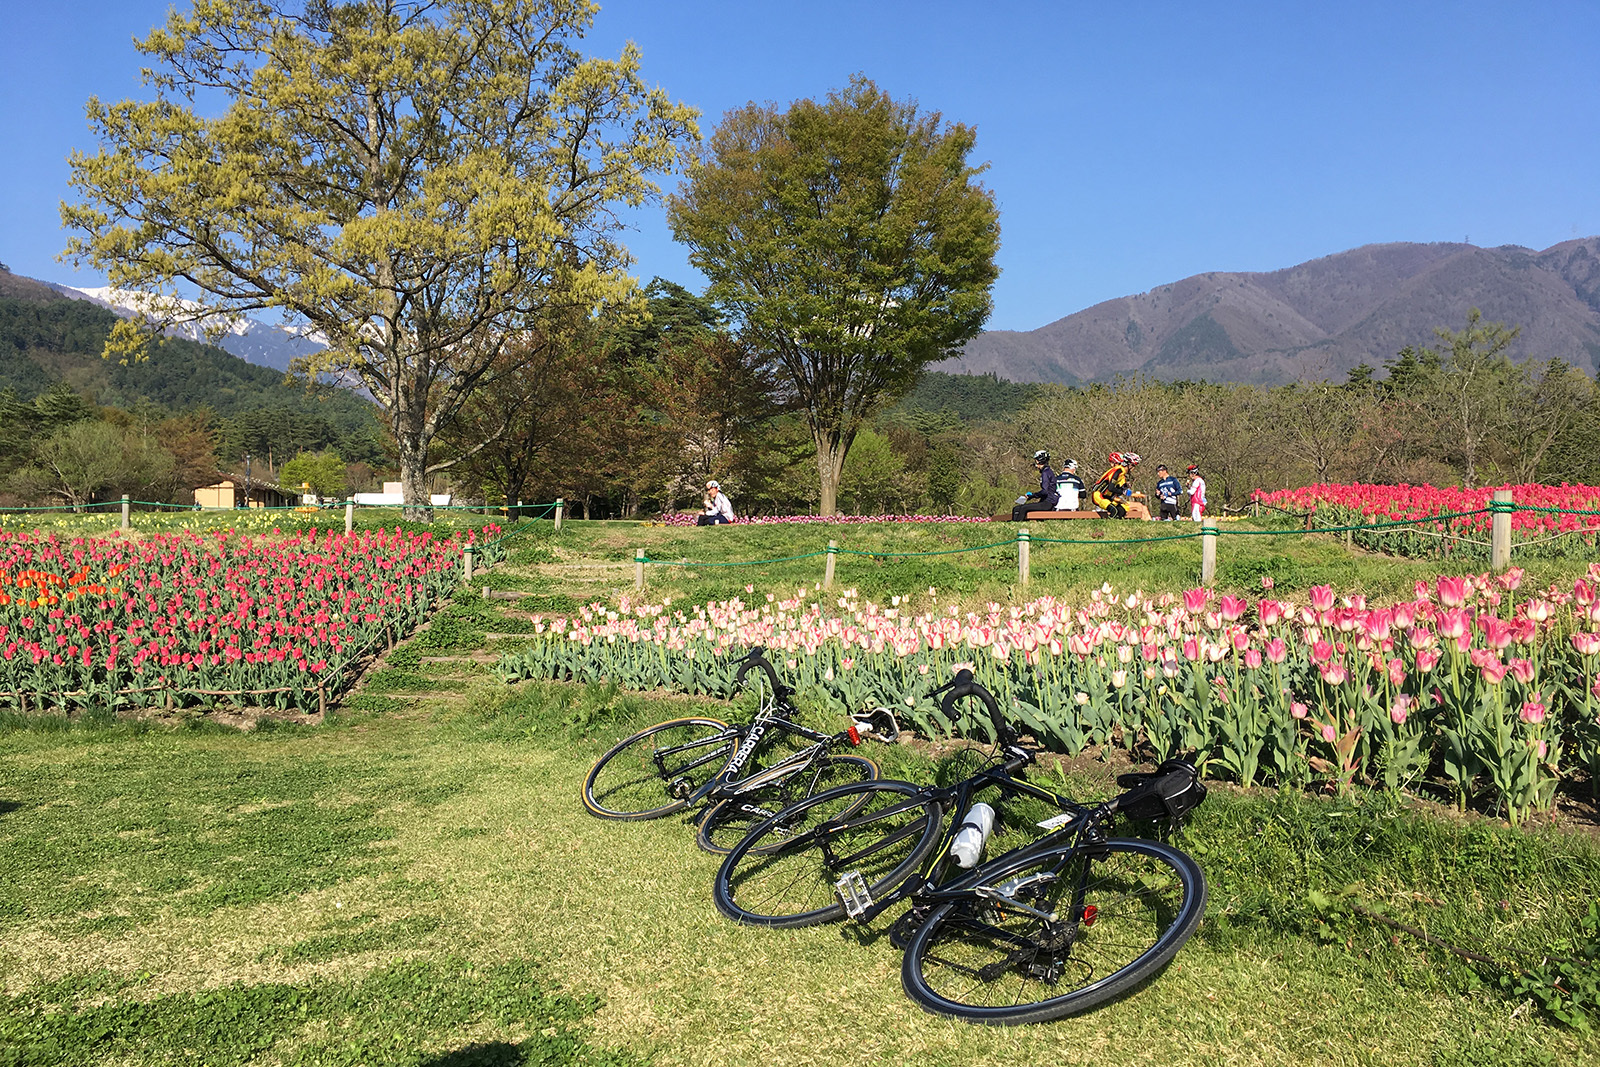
(1041,456)
(1132,459)
(1192,469)
(1071,466)
(1115,459)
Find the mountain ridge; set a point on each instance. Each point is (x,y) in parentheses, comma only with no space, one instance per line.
(1316,319)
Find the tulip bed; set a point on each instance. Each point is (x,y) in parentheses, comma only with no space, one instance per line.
(1472,685)
(182,620)
(690,518)
(1452,522)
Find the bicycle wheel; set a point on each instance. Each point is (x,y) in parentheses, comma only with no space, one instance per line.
(784,872)
(654,772)
(1122,911)
(728,821)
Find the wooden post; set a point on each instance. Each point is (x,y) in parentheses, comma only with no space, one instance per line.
(1208,551)
(1255,509)
(125,509)
(827,572)
(1500,530)
(466,564)
(1022,556)
(638,569)
(1309,516)
(561,505)
(349,516)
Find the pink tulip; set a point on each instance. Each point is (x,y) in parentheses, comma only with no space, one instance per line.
(1233,608)
(1191,648)
(1270,612)
(1403,615)
(1538,610)
(1321,652)
(1452,591)
(1494,671)
(1583,592)
(1322,597)
(1454,624)
(1297,710)
(1522,670)
(1277,650)
(1427,659)
(1401,709)
(1397,672)
(1252,659)
(1195,600)
(1587,644)
(1329,734)
(1533,714)
(1334,673)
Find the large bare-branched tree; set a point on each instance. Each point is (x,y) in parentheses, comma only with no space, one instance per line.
(421,181)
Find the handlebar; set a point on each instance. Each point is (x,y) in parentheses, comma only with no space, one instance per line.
(964,686)
(756,657)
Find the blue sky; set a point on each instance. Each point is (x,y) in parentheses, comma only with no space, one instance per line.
(1130,143)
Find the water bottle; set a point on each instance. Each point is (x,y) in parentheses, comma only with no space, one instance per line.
(968,845)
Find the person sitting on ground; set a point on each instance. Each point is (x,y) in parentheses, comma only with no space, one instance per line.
(719,509)
(1111,492)
(1197,493)
(1043,498)
(1069,487)
(1169,489)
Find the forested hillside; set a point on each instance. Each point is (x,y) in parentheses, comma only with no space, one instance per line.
(44,343)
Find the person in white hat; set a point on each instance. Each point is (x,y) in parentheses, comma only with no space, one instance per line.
(719,509)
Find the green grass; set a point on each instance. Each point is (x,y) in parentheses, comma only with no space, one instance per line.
(594,561)
(427,889)
(416,882)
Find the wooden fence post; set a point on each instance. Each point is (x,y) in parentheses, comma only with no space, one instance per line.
(1500,509)
(1208,551)
(125,509)
(827,570)
(466,564)
(561,505)
(349,516)
(638,569)
(1022,556)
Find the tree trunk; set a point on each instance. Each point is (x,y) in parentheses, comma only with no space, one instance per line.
(830,464)
(412,441)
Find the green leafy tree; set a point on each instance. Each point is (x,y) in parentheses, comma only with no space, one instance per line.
(851,244)
(870,474)
(946,470)
(324,472)
(421,182)
(90,460)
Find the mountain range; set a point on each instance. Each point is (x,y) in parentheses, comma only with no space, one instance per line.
(1315,320)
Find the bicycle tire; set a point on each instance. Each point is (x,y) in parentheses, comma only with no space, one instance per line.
(782,874)
(729,821)
(974,960)
(627,783)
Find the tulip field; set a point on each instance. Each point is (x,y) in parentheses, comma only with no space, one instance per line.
(173,620)
(1452,522)
(1475,684)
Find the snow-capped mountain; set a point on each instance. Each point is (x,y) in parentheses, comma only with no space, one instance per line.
(251,339)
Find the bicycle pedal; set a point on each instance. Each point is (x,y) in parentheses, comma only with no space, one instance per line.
(852,891)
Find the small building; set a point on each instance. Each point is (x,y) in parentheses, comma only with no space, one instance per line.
(229,492)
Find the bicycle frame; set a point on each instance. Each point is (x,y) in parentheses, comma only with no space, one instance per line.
(932,881)
(730,781)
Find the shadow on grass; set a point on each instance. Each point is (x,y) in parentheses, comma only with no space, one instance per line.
(9,806)
(487,1054)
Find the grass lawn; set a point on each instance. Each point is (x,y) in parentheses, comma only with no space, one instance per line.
(416,881)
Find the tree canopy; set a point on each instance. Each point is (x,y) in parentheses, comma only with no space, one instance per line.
(850,242)
(422,182)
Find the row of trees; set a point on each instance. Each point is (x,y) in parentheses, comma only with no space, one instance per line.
(62,449)
(433,186)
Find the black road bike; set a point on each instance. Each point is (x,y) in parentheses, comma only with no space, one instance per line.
(1049,929)
(683,762)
